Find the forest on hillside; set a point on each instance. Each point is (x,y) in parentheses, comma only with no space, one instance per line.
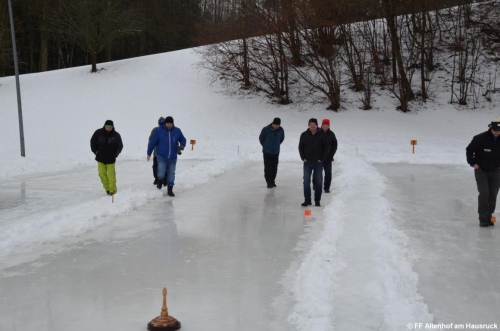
(270,46)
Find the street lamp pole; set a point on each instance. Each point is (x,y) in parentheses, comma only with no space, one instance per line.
(18,87)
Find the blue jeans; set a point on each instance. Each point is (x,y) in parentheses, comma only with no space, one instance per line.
(309,167)
(166,165)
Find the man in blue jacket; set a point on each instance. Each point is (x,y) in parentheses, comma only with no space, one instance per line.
(168,140)
(271,138)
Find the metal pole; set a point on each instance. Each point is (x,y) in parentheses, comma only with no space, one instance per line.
(18,87)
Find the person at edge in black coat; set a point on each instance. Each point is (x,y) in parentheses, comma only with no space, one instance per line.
(483,154)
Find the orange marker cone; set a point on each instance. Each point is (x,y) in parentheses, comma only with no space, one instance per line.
(307,212)
(493,219)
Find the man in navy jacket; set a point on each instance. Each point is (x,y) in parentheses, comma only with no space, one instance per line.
(271,138)
(168,140)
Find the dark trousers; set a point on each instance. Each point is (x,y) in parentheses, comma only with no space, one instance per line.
(309,167)
(488,183)
(270,167)
(327,165)
(155,167)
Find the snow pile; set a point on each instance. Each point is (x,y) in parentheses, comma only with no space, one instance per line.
(358,273)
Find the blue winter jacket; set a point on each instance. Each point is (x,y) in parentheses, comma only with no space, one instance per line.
(271,139)
(166,141)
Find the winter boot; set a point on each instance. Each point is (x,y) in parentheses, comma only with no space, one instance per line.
(316,203)
(270,185)
(159,184)
(170,192)
(484,223)
(155,182)
(274,184)
(306,203)
(491,223)
(327,190)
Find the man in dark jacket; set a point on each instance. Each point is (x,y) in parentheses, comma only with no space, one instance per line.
(483,154)
(155,159)
(313,149)
(271,138)
(169,141)
(327,163)
(107,144)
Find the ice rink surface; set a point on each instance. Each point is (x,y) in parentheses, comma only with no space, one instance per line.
(458,262)
(220,248)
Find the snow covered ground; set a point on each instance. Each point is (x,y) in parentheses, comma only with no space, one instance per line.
(234,255)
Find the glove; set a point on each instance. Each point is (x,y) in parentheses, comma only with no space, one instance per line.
(179,149)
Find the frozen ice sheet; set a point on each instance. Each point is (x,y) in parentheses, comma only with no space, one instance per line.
(459,262)
(220,249)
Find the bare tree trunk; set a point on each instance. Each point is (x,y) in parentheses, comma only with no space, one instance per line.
(422,57)
(94,62)
(44,40)
(246,69)
(406,93)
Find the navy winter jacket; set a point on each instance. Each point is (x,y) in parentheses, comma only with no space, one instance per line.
(271,139)
(166,141)
(484,151)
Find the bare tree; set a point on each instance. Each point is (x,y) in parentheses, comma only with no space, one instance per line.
(405,91)
(466,45)
(317,26)
(353,55)
(94,24)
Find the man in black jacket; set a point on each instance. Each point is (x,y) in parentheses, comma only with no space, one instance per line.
(107,144)
(313,149)
(327,163)
(483,154)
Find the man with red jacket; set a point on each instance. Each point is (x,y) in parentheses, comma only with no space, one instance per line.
(327,163)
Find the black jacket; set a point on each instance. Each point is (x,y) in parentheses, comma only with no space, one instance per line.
(484,151)
(313,147)
(332,142)
(106,145)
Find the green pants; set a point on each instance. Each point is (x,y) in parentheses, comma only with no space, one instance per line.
(108,176)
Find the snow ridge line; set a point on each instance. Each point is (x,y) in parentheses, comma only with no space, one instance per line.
(403,303)
(37,232)
(334,274)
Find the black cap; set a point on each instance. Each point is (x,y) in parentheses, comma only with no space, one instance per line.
(169,119)
(495,124)
(313,120)
(277,121)
(109,122)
